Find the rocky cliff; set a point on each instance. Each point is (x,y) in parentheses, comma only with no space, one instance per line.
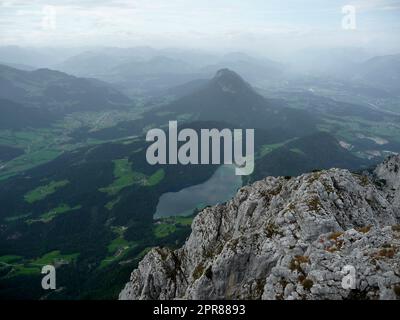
(287,238)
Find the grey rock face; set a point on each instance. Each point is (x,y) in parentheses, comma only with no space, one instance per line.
(283,238)
(389,173)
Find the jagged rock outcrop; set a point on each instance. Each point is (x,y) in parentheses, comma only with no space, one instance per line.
(287,238)
(389,173)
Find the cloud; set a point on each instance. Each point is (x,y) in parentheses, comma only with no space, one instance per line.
(375,5)
(216,23)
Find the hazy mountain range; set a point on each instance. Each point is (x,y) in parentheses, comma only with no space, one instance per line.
(146,69)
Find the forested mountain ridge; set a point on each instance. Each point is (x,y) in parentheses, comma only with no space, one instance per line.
(58,92)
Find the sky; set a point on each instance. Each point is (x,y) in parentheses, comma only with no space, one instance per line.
(258,25)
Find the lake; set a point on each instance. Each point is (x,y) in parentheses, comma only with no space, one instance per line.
(222,186)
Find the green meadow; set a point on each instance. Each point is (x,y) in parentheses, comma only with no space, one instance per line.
(43,191)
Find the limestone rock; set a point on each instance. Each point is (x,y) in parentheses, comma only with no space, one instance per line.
(282,238)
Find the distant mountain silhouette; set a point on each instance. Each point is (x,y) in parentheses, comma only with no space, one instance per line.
(155,71)
(57,91)
(251,68)
(156,66)
(383,72)
(229,98)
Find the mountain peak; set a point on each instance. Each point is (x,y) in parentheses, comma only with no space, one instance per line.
(227,74)
(230,81)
